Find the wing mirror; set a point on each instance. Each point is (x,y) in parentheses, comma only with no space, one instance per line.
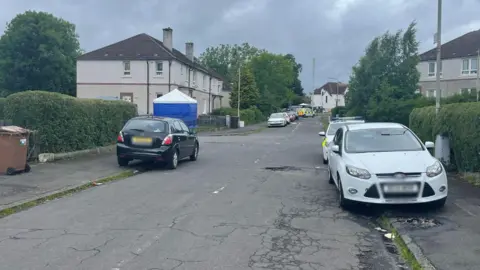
(321,133)
(429,144)
(335,148)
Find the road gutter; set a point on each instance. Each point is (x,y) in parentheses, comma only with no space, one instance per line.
(410,252)
(57,194)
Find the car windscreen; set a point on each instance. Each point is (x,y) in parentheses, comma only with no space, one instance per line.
(381,140)
(147,125)
(277,115)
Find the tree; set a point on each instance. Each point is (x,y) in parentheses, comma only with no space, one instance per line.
(226,59)
(386,78)
(274,74)
(296,85)
(248,90)
(38,51)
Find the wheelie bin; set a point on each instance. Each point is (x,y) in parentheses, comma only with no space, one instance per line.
(13,150)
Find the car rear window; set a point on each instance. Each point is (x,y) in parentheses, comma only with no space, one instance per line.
(381,140)
(147,125)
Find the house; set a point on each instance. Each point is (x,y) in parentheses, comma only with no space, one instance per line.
(330,95)
(458,68)
(142,68)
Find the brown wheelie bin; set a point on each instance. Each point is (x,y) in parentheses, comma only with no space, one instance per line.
(13,150)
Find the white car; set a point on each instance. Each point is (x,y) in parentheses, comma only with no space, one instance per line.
(385,163)
(277,119)
(328,136)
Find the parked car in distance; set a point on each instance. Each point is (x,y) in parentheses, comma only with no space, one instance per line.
(385,163)
(292,116)
(287,117)
(277,120)
(159,139)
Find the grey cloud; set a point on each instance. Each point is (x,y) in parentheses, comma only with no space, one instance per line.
(309,28)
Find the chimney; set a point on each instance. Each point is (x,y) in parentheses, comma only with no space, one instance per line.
(168,38)
(189,50)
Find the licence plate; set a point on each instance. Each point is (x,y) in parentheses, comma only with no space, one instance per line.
(400,188)
(141,140)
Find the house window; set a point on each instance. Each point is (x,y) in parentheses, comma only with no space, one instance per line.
(432,93)
(126,68)
(159,68)
(432,71)
(326,99)
(469,66)
(194,76)
(205,79)
(468,91)
(159,95)
(128,97)
(219,88)
(181,69)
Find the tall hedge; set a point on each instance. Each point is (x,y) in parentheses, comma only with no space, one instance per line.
(461,123)
(65,123)
(251,115)
(2,105)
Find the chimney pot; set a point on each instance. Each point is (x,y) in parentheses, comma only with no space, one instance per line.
(189,50)
(168,38)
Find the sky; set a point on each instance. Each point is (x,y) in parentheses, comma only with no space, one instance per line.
(334,32)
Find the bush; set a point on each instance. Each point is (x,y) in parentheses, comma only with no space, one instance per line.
(2,105)
(65,123)
(340,110)
(250,116)
(461,123)
(225,111)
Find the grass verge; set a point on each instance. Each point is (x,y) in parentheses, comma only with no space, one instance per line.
(472,178)
(405,252)
(56,195)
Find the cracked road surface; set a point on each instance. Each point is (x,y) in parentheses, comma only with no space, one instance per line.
(250,202)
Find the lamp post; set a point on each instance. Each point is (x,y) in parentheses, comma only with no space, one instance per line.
(238,101)
(438,40)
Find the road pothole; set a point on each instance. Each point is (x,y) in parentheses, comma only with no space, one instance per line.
(419,222)
(283,168)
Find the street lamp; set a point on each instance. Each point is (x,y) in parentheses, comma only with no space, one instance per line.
(438,40)
(338,81)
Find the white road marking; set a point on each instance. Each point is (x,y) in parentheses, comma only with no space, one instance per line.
(218,190)
(296,127)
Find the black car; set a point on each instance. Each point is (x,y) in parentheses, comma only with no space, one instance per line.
(158,139)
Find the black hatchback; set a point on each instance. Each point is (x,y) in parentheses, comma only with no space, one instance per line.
(159,139)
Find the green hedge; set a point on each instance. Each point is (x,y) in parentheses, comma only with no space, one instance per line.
(461,123)
(2,105)
(251,115)
(65,123)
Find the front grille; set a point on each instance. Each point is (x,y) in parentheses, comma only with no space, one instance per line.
(392,175)
(427,190)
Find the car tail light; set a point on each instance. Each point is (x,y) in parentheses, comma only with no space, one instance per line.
(120,137)
(168,140)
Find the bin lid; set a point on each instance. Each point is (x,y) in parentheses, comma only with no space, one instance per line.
(13,130)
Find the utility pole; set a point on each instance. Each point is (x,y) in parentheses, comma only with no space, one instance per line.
(477,88)
(238,103)
(439,56)
(313,78)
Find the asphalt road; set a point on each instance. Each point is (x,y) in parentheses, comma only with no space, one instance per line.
(236,207)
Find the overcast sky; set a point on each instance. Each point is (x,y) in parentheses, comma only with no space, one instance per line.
(335,32)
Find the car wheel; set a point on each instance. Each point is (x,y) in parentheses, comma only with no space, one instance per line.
(194,155)
(173,163)
(122,162)
(438,204)
(342,202)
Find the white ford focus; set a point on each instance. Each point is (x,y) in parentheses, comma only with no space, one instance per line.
(385,163)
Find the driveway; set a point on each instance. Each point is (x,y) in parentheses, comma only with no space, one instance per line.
(260,201)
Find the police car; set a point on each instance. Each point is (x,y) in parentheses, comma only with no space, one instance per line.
(335,123)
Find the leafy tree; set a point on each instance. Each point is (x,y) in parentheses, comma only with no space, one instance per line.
(296,86)
(38,51)
(248,90)
(226,59)
(274,74)
(386,77)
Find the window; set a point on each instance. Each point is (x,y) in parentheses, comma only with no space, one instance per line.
(159,95)
(128,97)
(219,88)
(146,125)
(469,66)
(181,69)
(194,76)
(381,140)
(177,128)
(432,71)
(432,93)
(468,91)
(326,99)
(205,79)
(159,68)
(126,68)
(184,127)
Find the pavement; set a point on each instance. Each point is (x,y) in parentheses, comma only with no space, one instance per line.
(236,131)
(450,237)
(260,201)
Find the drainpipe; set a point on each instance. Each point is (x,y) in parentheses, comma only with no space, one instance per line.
(169,75)
(209,95)
(148,87)
(189,90)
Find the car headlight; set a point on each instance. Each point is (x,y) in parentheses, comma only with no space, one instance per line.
(357,172)
(434,169)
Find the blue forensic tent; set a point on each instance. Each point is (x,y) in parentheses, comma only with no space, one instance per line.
(177,105)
